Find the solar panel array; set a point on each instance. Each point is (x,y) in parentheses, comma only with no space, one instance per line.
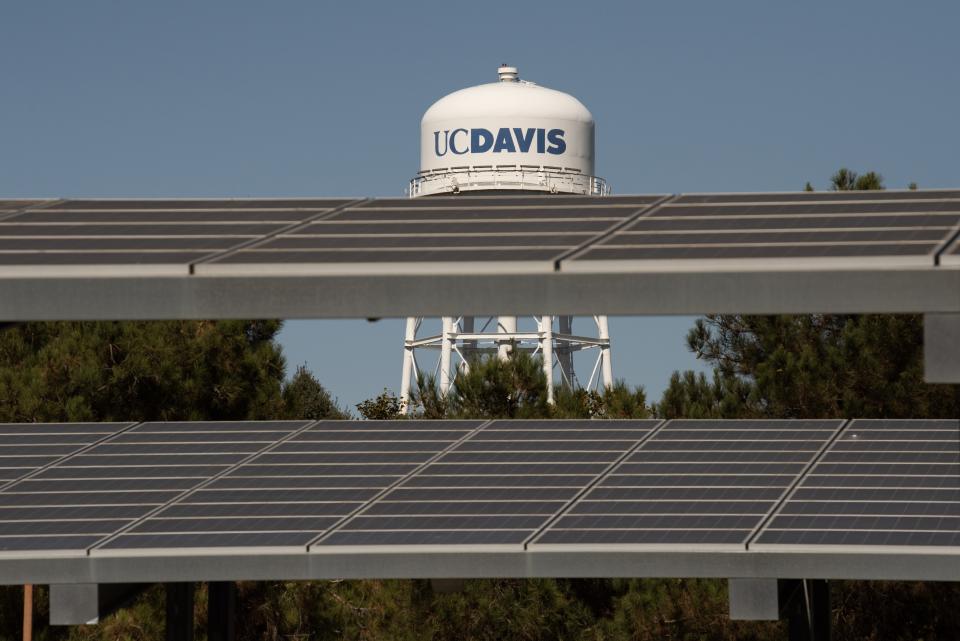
(824,229)
(699,482)
(114,489)
(477,234)
(883,482)
(499,486)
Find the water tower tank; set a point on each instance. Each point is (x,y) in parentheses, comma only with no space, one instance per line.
(507,135)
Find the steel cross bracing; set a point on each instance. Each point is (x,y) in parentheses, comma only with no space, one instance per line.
(761,253)
(147,502)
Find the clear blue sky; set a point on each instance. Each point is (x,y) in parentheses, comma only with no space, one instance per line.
(324,99)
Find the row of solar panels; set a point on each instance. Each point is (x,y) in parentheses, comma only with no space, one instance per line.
(481,234)
(83,488)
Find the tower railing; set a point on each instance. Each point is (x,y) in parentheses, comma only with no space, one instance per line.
(519,177)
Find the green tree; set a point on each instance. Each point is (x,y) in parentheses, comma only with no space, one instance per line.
(305,398)
(137,371)
(811,366)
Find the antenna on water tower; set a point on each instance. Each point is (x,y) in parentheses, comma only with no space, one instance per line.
(509,136)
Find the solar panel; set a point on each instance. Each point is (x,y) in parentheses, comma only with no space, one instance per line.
(476,234)
(497,487)
(881,483)
(704,482)
(27,447)
(751,231)
(158,236)
(294,492)
(80,499)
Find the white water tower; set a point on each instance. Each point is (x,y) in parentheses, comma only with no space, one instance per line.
(511,135)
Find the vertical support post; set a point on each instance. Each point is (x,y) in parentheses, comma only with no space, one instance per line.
(28,612)
(506,325)
(469,346)
(446,353)
(565,353)
(603,333)
(179,612)
(221,611)
(809,610)
(546,348)
(409,336)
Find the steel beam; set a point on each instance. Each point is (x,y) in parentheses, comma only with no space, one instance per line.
(941,348)
(916,290)
(253,564)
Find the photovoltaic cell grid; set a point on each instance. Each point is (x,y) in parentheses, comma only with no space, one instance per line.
(84,498)
(465,232)
(829,228)
(26,447)
(499,487)
(293,493)
(881,483)
(166,234)
(694,482)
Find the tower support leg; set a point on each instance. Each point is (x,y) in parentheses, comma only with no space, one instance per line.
(506,325)
(409,335)
(603,332)
(446,354)
(546,348)
(564,353)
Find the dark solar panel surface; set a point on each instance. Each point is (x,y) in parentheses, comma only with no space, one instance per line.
(882,482)
(478,232)
(76,487)
(26,447)
(296,491)
(145,232)
(453,230)
(903,226)
(498,487)
(82,499)
(694,482)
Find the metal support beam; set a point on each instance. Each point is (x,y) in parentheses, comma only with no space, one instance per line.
(221,611)
(179,611)
(754,599)
(941,348)
(87,603)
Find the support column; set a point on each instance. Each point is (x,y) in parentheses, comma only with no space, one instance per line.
(470,346)
(87,603)
(565,353)
(546,348)
(603,333)
(506,325)
(179,611)
(221,611)
(808,609)
(446,353)
(406,378)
